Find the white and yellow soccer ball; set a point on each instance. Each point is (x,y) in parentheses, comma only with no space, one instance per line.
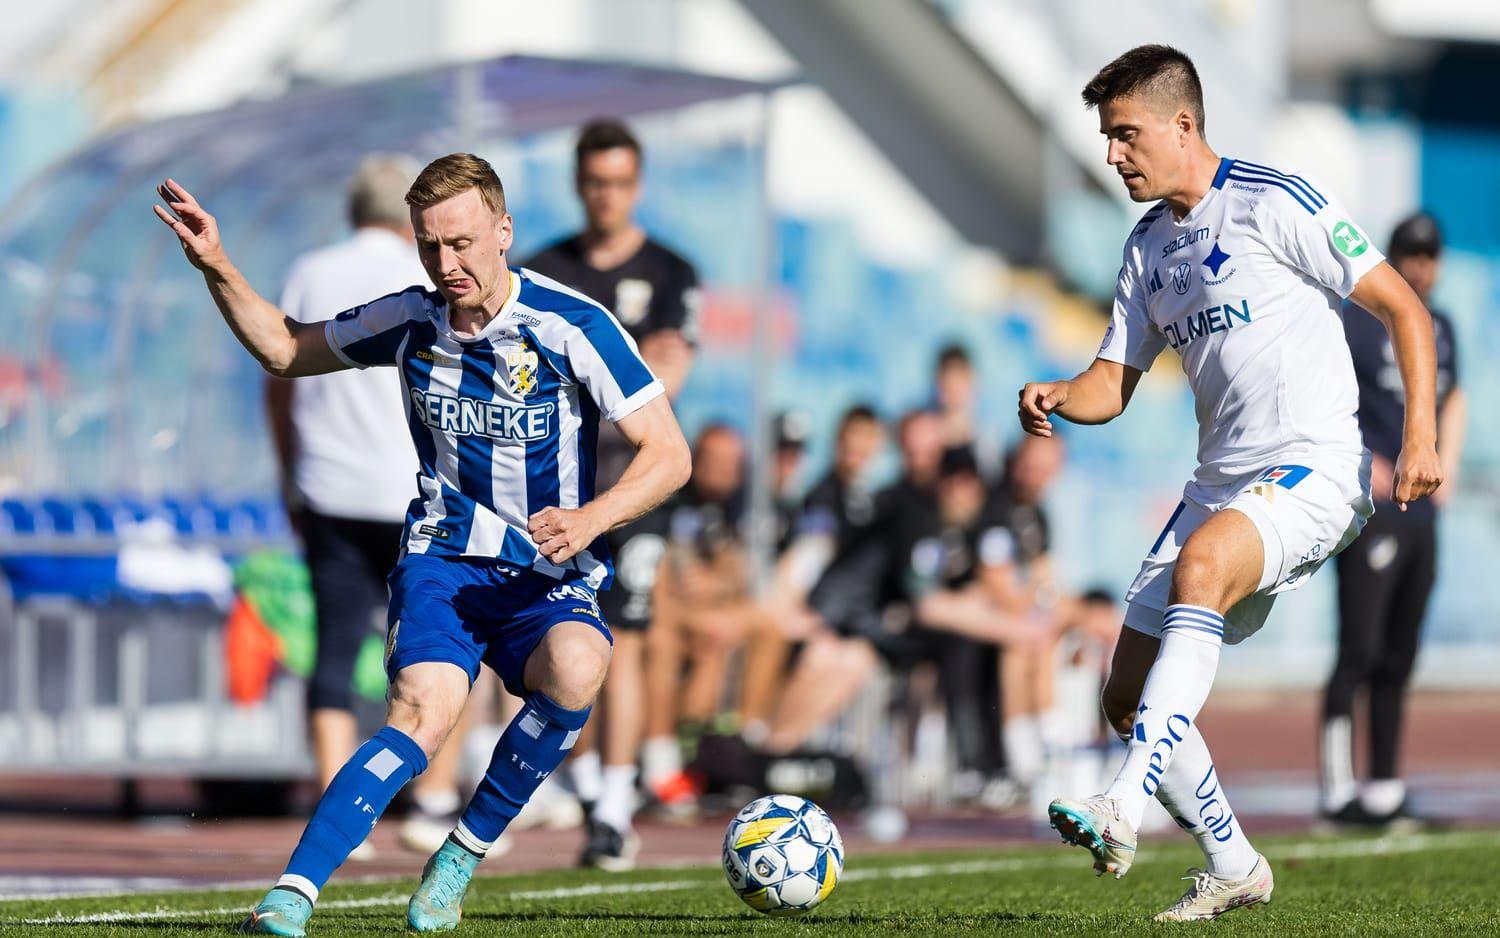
(782,855)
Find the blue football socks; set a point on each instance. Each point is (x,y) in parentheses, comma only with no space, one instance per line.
(350,807)
(532,746)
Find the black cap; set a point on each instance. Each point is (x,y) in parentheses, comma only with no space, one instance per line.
(790,430)
(1417,234)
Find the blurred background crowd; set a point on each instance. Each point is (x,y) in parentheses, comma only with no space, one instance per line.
(843,232)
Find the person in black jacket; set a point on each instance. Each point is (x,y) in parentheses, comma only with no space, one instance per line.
(1386,577)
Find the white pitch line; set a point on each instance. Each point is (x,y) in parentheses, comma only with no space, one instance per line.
(1307,850)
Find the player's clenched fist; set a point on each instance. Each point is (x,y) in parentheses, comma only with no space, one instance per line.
(1418,474)
(560,533)
(195,228)
(1038,401)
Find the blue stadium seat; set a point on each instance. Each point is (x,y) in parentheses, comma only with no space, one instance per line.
(100,515)
(62,519)
(16,517)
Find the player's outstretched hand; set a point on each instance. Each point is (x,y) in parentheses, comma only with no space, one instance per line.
(560,533)
(1038,401)
(195,228)
(1418,474)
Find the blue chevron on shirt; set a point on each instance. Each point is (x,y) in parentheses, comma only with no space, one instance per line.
(505,422)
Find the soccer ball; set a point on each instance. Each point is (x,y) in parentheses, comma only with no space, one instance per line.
(782,855)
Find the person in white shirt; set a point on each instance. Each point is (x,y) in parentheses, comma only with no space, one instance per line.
(345,454)
(1241,269)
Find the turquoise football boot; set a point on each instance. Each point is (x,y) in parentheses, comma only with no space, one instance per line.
(281,912)
(438,902)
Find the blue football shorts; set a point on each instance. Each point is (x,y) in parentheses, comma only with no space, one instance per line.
(468,610)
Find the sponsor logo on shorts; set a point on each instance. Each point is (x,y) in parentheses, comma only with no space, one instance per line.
(587,603)
(390,641)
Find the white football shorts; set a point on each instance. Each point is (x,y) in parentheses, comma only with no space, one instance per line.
(1304,516)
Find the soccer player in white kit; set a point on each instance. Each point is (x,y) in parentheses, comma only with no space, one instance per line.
(1240,268)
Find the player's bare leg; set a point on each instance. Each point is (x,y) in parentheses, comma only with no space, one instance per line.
(1220,564)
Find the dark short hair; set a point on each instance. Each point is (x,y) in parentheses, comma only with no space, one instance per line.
(959,461)
(604,133)
(1154,71)
(952,354)
(1416,234)
(855,414)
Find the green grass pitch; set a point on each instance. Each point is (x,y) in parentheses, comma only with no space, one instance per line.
(1433,884)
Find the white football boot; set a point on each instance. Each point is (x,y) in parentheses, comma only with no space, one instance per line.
(1096,825)
(1211,896)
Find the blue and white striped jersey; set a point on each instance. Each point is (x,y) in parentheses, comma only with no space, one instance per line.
(505,422)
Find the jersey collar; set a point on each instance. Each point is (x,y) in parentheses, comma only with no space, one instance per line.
(1224,164)
(491,327)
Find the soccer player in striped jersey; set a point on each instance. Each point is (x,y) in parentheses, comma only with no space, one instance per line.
(1241,269)
(505,375)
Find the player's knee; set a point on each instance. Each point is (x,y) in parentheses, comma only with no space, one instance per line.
(425,702)
(1198,576)
(569,665)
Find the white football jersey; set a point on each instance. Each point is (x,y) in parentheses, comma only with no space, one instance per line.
(1247,288)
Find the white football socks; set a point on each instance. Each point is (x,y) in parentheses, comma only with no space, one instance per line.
(1025,751)
(660,759)
(585,776)
(616,803)
(1338,784)
(1383,796)
(1191,793)
(1175,690)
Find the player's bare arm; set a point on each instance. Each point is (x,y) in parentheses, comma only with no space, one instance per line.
(1098,395)
(1387,296)
(284,347)
(661,466)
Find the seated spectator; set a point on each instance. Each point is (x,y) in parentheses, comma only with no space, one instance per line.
(835,511)
(706,605)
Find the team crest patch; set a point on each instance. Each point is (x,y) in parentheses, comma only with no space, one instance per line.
(632,300)
(521,367)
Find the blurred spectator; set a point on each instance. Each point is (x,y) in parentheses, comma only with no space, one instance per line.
(955,396)
(851,596)
(789,433)
(654,293)
(346,462)
(836,508)
(1386,576)
(707,592)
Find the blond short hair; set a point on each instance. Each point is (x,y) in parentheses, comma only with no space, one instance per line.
(455,174)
